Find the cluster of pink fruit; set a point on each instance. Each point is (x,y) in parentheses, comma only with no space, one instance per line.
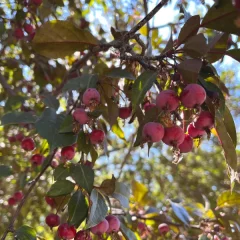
(192,96)
(17,196)
(65,231)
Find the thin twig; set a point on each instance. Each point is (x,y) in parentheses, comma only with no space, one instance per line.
(6,86)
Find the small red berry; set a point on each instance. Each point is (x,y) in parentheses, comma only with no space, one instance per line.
(141,226)
(11,201)
(204,121)
(36,2)
(80,116)
(52,220)
(12,139)
(68,152)
(28,28)
(152,132)
(89,164)
(163,228)
(91,97)
(18,196)
(19,136)
(18,33)
(82,235)
(194,132)
(28,144)
(37,159)
(147,106)
(101,228)
(193,95)
(187,144)
(97,136)
(125,112)
(236,4)
(66,231)
(173,136)
(167,100)
(114,224)
(54,163)
(50,201)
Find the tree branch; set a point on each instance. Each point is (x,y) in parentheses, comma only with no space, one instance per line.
(6,86)
(20,205)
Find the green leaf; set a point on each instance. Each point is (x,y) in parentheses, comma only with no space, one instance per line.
(93,153)
(226,142)
(127,233)
(61,172)
(5,171)
(234,53)
(18,118)
(26,233)
(120,73)
(180,212)
(57,39)
(189,29)
(60,188)
(98,210)
(50,101)
(113,112)
(67,125)
(228,199)
(48,126)
(140,87)
(83,176)
(122,194)
(81,83)
(14,103)
(77,209)
(230,125)
(82,144)
(196,46)
(139,191)
(168,46)
(118,131)
(189,69)
(222,18)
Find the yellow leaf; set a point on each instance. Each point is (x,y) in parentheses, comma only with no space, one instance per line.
(143,30)
(139,191)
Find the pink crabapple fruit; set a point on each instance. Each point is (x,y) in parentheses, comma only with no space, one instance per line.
(96,136)
(236,4)
(36,2)
(50,201)
(187,144)
(19,136)
(114,223)
(91,97)
(125,112)
(167,100)
(18,33)
(11,201)
(152,132)
(68,152)
(163,228)
(194,132)
(18,196)
(54,163)
(173,136)
(52,220)
(82,235)
(80,116)
(66,231)
(193,95)
(28,144)
(141,226)
(12,139)
(100,228)
(147,106)
(37,159)
(28,28)
(204,121)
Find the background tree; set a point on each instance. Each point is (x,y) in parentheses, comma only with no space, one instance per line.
(96,99)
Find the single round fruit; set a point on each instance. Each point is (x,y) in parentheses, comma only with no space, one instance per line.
(28,28)
(125,112)
(194,132)
(163,228)
(88,163)
(66,231)
(80,116)
(36,2)
(173,136)
(54,163)
(152,132)
(12,139)
(114,224)
(37,159)
(28,144)
(167,100)
(82,235)
(19,136)
(18,196)
(101,228)
(236,4)
(187,144)
(193,95)
(50,201)
(204,121)
(147,106)
(91,97)
(97,136)
(141,226)
(52,220)
(68,152)
(18,33)
(216,237)
(11,201)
